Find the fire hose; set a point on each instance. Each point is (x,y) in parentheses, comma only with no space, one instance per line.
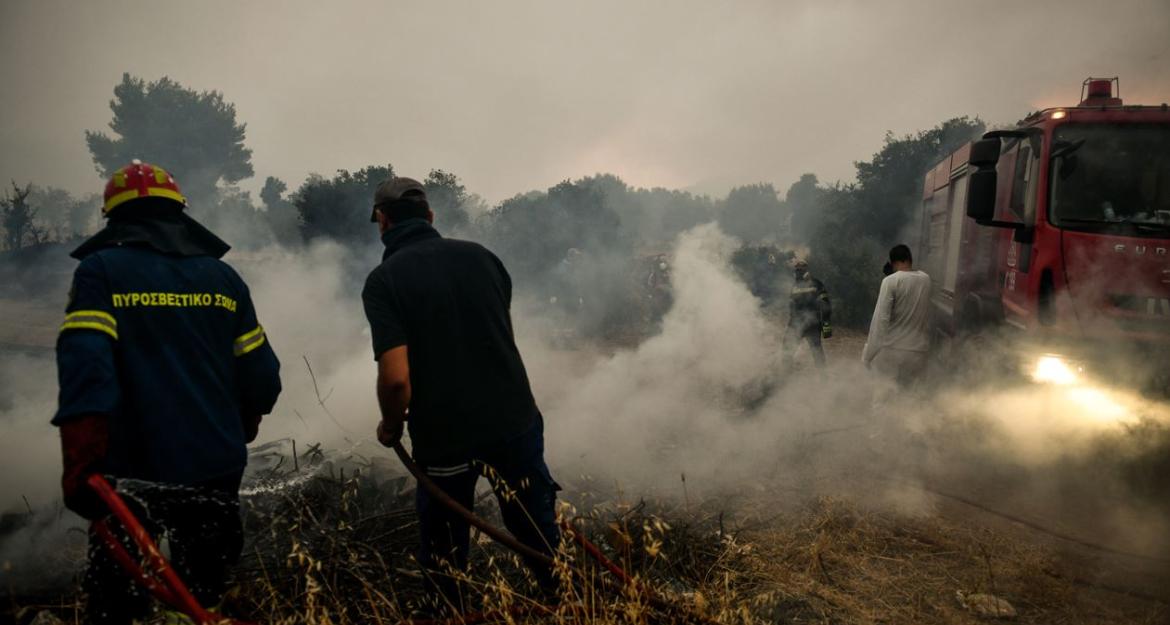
(160,579)
(528,552)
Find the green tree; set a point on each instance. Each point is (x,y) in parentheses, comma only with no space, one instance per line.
(650,217)
(448,199)
(17,216)
(803,200)
(754,213)
(849,228)
(339,207)
(890,184)
(280,213)
(590,220)
(847,259)
(63,216)
(533,232)
(237,218)
(656,216)
(193,135)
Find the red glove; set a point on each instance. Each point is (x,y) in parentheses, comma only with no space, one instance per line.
(83,447)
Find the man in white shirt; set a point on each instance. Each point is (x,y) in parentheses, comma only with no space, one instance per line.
(899,334)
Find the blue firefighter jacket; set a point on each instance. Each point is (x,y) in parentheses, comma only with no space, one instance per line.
(170,349)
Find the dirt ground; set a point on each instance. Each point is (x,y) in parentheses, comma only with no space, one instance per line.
(840,561)
(837,563)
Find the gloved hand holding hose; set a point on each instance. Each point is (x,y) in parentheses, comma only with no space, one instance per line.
(84,441)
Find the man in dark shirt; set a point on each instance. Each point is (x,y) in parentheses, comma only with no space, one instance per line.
(442,333)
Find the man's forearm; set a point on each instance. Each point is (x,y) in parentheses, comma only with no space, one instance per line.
(393,390)
(393,400)
(873,341)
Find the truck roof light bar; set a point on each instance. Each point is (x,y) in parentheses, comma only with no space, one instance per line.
(1101,92)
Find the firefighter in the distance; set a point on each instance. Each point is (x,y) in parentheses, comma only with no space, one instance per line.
(658,294)
(164,375)
(809,312)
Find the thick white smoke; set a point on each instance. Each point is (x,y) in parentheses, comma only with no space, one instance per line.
(666,404)
(307,305)
(704,397)
(28,445)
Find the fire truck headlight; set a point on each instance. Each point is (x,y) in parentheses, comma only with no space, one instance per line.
(1055,370)
(1059,114)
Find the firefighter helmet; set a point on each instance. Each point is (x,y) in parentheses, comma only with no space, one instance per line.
(138,180)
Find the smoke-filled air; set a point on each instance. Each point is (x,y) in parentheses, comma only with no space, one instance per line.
(538,313)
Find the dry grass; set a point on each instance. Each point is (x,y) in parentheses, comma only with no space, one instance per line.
(338,551)
(334,548)
(834,563)
(343,555)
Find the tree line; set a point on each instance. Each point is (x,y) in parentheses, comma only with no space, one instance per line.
(844,228)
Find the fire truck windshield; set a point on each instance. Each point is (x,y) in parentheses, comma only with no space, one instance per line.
(1111,177)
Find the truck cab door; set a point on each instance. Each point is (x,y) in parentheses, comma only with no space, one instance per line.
(1018,172)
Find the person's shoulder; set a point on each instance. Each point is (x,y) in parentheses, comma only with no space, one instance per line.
(117,258)
(464,244)
(428,247)
(400,266)
(117,253)
(459,251)
(221,265)
(467,248)
(209,268)
(94,261)
(914,279)
(377,275)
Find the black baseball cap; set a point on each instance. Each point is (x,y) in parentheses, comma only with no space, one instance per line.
(395,189)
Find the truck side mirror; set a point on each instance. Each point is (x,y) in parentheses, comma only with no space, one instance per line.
(982,185)
(981,195)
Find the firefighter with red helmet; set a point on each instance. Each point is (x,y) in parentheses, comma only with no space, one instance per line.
(164,374)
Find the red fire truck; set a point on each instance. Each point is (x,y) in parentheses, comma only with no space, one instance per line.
(1056,233)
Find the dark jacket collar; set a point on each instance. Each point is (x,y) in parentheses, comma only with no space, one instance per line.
(407,232)
(170,232)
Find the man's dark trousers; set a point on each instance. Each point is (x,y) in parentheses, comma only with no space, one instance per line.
(526,493)
(205,536)
(810,333)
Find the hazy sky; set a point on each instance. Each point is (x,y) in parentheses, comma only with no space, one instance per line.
(514,96)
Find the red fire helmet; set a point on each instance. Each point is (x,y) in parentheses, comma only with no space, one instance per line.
(137,180)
